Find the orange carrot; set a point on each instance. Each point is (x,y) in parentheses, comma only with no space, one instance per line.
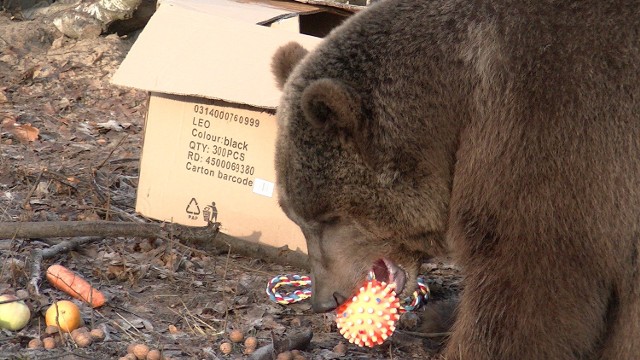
(74,285)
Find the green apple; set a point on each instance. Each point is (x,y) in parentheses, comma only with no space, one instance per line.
(14,315)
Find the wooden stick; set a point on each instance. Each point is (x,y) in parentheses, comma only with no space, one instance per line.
(206,238)
(49,229)
(38,255)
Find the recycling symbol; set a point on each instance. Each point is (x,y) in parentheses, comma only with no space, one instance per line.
(193,209)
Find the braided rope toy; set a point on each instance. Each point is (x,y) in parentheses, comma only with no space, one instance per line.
(300,285)
(368,318)
(418,298)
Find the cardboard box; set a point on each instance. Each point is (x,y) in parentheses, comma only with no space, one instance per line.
(208,152)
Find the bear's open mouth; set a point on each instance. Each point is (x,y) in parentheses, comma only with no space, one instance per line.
(387,271)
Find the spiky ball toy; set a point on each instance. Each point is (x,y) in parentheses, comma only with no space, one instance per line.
(369,318)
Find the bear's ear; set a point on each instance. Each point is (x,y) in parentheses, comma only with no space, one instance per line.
(332,104)
(285,60)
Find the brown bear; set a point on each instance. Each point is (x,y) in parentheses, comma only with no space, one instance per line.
(505,133)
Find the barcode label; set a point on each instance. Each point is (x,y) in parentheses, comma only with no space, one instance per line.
(263,187)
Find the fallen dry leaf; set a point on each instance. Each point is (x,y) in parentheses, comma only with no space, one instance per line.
(8,123)
(110,125)
(48,109)
(93,58)
(57,43)
(25,133)
(115,271)
(42,72)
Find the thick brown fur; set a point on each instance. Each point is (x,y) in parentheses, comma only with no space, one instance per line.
(505,132)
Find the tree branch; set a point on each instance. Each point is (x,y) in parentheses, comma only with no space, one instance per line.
(49,229)
(206,238)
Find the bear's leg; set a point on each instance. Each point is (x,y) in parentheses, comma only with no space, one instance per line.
(623,341)
(529,310)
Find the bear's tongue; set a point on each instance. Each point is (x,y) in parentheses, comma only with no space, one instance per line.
(387,271)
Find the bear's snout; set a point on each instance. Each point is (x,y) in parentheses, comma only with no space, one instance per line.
(330,303)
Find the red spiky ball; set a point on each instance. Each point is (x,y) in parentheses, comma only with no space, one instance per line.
(369,318)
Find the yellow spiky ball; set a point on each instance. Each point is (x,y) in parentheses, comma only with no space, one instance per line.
(369,318)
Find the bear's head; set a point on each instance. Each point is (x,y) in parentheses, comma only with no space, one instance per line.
(364,199)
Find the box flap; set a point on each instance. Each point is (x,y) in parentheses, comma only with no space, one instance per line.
(250,11)
(187,52)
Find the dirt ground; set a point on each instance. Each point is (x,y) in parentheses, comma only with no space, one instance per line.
(70,145)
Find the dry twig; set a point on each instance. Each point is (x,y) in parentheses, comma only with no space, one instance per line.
(25,205)
(38,255)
